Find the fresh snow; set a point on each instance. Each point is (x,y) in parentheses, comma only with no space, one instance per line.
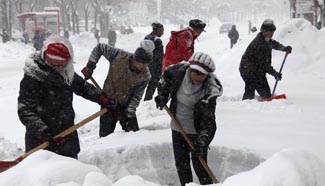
(256,144)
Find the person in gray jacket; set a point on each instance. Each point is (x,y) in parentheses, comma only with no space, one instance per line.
(126,81)
(193,89)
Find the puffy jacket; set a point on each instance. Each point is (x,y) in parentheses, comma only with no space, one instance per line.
(158,53)
(204,110)
(45,100)
(180,46)
(258,56)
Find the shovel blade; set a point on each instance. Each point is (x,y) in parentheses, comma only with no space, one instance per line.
(280,96)
(5,165)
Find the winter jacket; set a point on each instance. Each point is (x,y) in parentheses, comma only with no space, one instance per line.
(158,53)
(121,82)
(204,110)
(257,57)
(111,37)
(180,46)
(45,100)
(233,35)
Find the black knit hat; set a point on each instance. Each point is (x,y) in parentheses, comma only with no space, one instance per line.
(198,24)
(268,26)
(143,54)
(156,25)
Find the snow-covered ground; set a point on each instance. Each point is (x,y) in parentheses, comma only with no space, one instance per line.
(256,144)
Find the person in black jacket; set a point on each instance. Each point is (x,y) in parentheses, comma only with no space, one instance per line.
(193,89)
(158,54)
(256,62)
(46,94)
(111,36)
(233,36)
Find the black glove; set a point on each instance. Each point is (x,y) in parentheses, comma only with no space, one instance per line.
(106,100)
(277,76)
(288,49)
(88,70)
(160,102)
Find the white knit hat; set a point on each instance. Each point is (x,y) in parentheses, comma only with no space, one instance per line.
(202,62)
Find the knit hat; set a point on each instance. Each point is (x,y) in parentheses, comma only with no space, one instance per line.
(58,48)
(202,62)
(268,26)
(198,24)
(156,25)
(143,53)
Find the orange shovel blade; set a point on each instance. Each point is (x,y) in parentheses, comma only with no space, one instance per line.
(280,96)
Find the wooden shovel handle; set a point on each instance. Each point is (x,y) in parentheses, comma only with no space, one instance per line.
(190,143)
(64,133)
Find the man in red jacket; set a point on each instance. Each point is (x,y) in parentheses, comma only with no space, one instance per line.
(181,43)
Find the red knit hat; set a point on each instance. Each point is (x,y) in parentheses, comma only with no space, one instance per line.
(58,54)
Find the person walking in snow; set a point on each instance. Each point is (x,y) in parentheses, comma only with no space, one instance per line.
(156,65)
(5,36)
(256,62)
(38,39)
(193,89)
(46,94)
(111,36)
(126,81)
(181,43)
(233,35)
(66,34)
(97,35)
(26,37)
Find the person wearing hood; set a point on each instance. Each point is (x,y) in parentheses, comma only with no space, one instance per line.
(126,81)
(181,43)
(46,95)
(193,89)
(256,62)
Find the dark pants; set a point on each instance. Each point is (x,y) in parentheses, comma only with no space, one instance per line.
(232,43)
(258,83)
(151,88)
(108,122)
(183,155)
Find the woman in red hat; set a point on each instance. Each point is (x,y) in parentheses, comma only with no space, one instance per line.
(46,94)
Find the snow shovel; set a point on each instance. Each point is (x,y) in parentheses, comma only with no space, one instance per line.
(280,96)
(190,143)
(4,165)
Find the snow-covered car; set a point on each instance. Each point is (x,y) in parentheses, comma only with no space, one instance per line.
(225,28)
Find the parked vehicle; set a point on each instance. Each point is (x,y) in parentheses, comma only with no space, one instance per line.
(225,28)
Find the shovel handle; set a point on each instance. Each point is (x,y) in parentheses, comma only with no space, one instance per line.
(190,143)
(276,82)
(6,165)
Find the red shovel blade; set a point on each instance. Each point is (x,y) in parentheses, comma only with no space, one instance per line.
(280,96)
(5,165)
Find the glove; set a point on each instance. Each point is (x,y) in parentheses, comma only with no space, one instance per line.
(106,100)
(160,102)
(88,70)
(43,134)
(288,49)
(277,76)
(58,141)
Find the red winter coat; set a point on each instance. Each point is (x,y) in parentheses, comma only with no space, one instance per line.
(180,47)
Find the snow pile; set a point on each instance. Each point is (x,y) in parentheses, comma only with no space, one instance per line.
(288,167)
(47,168)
